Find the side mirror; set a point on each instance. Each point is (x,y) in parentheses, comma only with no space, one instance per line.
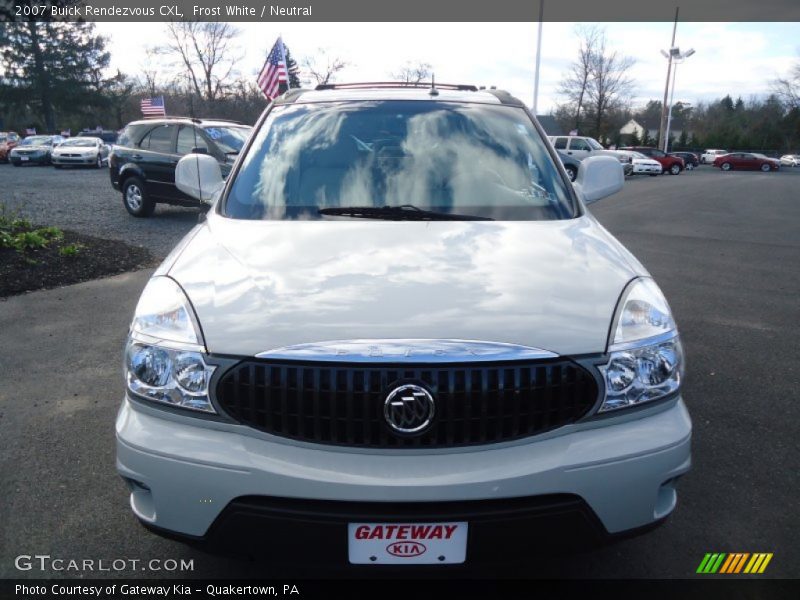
(199,176)
(598,177)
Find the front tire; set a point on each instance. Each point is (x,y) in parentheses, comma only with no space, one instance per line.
(136,199)
(726,166)
(572,172)
(675,169)
(765,168)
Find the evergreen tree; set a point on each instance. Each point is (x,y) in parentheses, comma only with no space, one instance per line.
(291,66)
(51,67)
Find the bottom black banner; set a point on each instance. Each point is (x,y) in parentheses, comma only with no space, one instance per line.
(406,589)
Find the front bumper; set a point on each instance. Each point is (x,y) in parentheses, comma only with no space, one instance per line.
(184,472)
(29,159)
(74,160)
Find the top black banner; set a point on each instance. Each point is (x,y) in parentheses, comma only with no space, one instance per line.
(400,11)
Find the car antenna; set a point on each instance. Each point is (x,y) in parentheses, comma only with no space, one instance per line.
(201,216)
(434,91)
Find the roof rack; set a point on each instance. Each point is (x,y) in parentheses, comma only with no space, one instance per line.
(396,84)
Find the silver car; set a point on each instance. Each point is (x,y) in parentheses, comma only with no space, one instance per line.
(80,151)
(399,337)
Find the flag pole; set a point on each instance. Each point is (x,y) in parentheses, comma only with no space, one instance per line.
(538,60)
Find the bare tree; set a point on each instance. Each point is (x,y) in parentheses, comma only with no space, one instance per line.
(575,83)
(412,72)
(148,78)
(788,88)
(323,67)
(609,86)
(597,84)
(204,53)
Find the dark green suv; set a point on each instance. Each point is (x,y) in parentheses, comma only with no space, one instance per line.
(142,162)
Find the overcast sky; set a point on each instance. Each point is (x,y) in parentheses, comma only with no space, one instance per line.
(735,58)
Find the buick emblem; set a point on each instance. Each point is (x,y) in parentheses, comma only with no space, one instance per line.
(409,408)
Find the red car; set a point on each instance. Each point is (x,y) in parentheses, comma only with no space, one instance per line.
(750,161)
(670,164)
(8,139)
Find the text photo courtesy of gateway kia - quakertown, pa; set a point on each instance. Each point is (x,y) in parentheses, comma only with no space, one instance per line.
(296,300)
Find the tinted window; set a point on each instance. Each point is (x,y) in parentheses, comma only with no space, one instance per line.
(189,138)
(464,159)
(561,143)
(595,145)
(228,139)
(578,144)
(159,139)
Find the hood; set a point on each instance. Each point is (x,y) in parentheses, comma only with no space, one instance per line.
(259,286)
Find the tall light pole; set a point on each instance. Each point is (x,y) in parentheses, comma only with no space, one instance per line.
(662,123)
(677,59)
(538,60)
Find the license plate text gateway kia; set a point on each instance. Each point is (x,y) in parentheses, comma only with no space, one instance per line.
(407,543)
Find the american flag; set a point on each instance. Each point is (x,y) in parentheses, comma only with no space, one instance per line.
(274,71)
(153,107)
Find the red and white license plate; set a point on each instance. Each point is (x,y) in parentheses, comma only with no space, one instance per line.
(407,543)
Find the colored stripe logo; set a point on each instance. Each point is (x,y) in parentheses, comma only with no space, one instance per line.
(734,562)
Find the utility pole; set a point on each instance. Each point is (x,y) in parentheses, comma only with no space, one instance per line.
(663,123)
(538,60)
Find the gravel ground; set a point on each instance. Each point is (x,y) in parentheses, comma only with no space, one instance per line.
(83,200)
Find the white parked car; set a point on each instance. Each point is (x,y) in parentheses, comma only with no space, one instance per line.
(643,164)
(790,160)
(400,337)
(707,157)
(80,151)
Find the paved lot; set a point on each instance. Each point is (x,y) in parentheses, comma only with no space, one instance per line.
(724,247)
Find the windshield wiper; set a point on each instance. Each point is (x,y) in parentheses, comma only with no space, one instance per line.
(405,212)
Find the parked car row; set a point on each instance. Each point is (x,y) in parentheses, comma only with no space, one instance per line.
(55,150)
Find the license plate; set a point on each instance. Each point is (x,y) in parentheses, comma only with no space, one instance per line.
(24,158)
(407,543)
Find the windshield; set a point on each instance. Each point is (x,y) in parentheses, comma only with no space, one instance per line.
(229,139)
(758,155)
(639,155)
(84,142)
(594,144)
(462,160)
(35,140)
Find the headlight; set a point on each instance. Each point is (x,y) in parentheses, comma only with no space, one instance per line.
(164,357)
(645,360)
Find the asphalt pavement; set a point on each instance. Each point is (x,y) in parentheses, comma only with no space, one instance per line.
(724,247)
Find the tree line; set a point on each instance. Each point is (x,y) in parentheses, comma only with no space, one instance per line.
(54,76)
(596,97)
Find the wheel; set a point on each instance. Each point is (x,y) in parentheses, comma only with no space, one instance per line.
(99,162)
(572,172)
(726,166)
(675,169)
(690,167)
(135,199)
(765,168)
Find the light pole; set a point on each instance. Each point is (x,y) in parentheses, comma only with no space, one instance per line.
(538,60)
(676,58)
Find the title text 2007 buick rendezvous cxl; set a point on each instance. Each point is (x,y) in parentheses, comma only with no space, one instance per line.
(399,337)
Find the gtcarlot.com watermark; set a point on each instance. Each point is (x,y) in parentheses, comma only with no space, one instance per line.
(45,562)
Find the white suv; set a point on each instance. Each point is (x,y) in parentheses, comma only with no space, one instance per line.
(577,146)
(399,337)
(707,157)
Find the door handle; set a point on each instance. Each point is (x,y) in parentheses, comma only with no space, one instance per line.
(136,157)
